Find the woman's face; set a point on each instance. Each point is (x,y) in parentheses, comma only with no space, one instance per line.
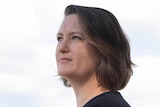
(74,56)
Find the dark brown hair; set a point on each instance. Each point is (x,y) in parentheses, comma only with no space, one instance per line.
(104,33)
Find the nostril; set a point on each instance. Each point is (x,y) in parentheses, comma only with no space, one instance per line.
(63,48)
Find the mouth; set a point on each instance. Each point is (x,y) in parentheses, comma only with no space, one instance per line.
(65,59)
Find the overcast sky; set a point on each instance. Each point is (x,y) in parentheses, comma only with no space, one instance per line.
(27,51)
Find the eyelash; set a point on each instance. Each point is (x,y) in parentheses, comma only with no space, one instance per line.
(73,37)
(58,38)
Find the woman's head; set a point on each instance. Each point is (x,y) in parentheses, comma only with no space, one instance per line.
(104,34)
(76,58)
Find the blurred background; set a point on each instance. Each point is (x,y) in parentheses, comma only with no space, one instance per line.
(28,75)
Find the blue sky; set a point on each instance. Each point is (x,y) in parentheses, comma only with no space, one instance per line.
(27,45)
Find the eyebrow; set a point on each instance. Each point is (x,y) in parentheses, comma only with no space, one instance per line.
(59,34)
(71,33)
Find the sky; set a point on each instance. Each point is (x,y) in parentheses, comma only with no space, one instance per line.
(28,74)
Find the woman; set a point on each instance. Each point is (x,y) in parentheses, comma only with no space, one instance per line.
(93,56)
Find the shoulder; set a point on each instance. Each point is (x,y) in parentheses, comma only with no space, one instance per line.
(108,99)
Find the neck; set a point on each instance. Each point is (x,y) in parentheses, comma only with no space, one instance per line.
(87,90)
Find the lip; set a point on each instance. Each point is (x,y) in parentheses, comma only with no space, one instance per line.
(64,59)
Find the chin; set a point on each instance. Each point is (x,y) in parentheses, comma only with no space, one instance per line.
(64,73)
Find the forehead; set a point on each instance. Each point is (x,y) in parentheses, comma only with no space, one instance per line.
(70,23)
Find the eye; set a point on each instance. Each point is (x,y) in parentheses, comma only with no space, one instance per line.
(76,38)
(59,38)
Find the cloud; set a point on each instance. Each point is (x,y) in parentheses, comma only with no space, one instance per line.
(14,83)
(17,14)
(27,48)
(143,88)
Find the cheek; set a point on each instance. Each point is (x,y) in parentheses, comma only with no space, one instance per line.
(87,59)
(56,55)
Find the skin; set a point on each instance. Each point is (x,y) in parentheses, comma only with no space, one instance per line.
(73,53)
(77,60)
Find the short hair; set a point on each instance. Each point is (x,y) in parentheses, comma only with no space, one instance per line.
(105,34)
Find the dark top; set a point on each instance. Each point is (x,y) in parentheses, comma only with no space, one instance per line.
(108,99)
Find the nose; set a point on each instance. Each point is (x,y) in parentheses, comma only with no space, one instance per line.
(63,46)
